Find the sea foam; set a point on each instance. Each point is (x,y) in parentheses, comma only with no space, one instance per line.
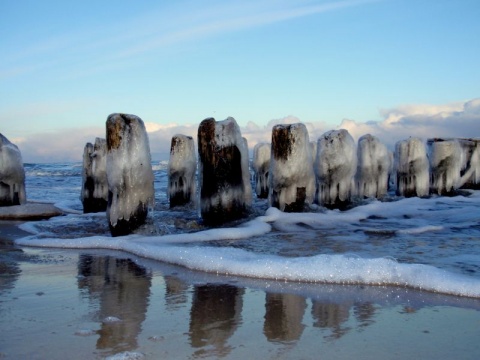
(416,216)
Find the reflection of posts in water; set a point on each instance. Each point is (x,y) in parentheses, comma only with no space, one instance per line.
(364,313)
(123,289)
(283,317)
(9,265)
(175,292)
(215,315)
(331,316)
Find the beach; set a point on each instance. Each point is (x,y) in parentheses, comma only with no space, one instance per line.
(389,279)
(99,303)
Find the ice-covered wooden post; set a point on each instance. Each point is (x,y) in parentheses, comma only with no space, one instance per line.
(445,156)
(129,173)
(373,167)
(94,195)
(411,168)
(224,178)
(261,168)
(335,168)
(292,180)
(181,170)
(12,174)
(470,172)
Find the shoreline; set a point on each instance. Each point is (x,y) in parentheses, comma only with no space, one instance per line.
(102,303)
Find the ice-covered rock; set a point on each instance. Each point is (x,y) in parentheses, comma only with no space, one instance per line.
(181,170)
(292,180)
(12,174)
(29,211)
(224,177)
(373,167)
(129,173)
(470,172)
(261,168)
(445,156)
(335,168)
(94,194)
(411,168)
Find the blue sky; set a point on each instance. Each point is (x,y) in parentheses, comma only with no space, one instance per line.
(65,66)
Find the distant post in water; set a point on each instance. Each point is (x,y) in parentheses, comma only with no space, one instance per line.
(292,180)
(12,174)
(181,170)
(94,195)
(412,168)
(470,172)
(261,168)
(445,156)
(129,173)
(373,167)
(224,178)
(335,168)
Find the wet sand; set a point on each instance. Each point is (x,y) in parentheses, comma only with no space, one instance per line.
(95,304)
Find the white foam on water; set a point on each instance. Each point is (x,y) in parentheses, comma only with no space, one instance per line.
(127,355)
(85,332)
(424,215)
(421,229)
(111,319)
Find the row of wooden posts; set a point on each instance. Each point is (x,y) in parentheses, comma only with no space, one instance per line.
(291,171)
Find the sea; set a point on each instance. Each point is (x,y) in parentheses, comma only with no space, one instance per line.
(431,244)
(392,279)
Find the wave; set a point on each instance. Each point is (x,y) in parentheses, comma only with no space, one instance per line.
(333,269)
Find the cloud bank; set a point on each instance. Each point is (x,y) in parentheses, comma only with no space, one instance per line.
(460,119)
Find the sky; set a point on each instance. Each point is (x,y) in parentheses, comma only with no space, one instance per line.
(392,68)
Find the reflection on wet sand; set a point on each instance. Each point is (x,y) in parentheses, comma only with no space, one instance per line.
(9,268)
(122,290)
(283,317)
(10,256)
(334,315)
(214,317)
(175,292)
(331,316)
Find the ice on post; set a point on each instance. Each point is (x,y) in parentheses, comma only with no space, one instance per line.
(261,169)
(292,180)
(224,177)
(470,172)
(181,170)
(373,167)
(335,168)
(129,173)
(412,168)
(94,195)
(445,156)
(12,174)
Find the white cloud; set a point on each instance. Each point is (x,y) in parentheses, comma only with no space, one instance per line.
(59,146)
(424,121)
(460,120)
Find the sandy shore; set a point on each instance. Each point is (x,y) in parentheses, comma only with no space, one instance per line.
(85,304)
